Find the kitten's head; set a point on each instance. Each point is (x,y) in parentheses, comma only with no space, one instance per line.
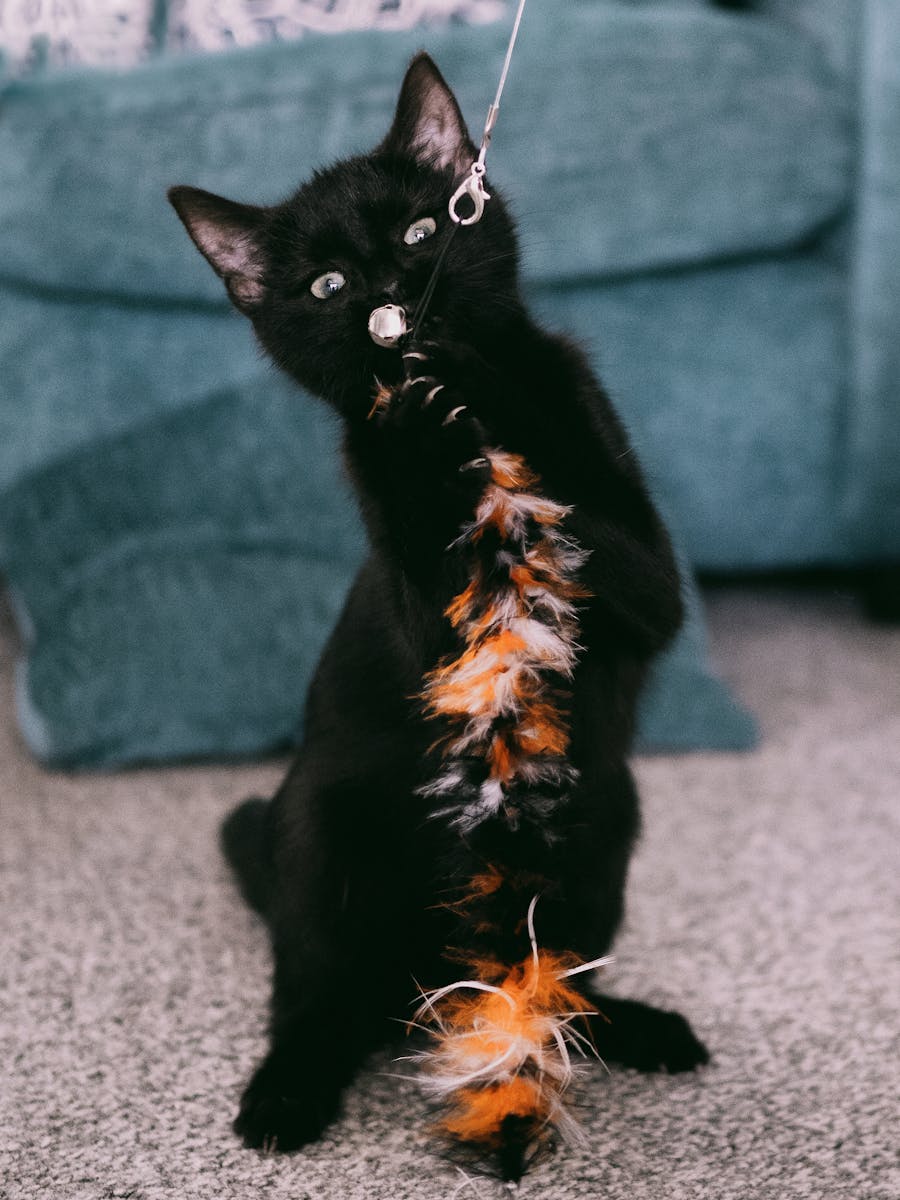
(366,232)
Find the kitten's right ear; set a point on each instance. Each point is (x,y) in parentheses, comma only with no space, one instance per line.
(228,235)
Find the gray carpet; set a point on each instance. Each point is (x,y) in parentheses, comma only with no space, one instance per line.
(764,902)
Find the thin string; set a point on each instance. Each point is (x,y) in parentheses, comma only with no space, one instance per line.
(477,170)
(509,53)
(494,109)
(432,282)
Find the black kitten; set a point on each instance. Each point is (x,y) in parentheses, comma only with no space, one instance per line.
(345,864)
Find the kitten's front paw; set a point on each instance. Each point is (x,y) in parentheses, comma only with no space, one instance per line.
(435,421)
(275,1115)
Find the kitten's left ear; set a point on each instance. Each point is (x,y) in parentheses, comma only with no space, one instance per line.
(428,125)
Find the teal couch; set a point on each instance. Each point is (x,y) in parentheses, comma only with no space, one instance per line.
(708,198)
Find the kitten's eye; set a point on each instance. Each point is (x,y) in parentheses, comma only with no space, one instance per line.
(327,285)
(419,231)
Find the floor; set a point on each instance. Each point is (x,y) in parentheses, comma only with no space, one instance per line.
(764,903)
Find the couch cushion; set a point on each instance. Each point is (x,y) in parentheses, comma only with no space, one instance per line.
(732,381)
(834,24)
(629,139)
(74,372)
(173,603)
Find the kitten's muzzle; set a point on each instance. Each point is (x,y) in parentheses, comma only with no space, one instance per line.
(387,325)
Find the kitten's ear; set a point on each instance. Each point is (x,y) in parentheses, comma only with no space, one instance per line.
(228,235)
(428,125)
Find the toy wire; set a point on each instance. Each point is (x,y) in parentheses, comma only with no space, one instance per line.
(432,282)
(472,186)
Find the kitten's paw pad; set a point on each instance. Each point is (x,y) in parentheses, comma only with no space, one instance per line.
(272,1120)
(647,1039)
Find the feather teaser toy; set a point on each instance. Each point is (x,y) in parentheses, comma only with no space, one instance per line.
(503,1039)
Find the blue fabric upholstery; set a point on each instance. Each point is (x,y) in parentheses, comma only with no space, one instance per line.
(709,199)
(176,583)
(694,173)
(836,26)
(872,468)
(734,403)
(74,368)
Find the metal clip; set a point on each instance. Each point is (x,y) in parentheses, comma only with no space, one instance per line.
(473,187)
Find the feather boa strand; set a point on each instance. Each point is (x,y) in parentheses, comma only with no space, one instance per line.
(504,1039)
(506,735)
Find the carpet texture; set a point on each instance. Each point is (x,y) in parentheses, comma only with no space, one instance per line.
(764,903)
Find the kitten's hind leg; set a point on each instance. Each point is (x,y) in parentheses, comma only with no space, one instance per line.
(638,1035)
(244,838)
(339,919)
(316,1048)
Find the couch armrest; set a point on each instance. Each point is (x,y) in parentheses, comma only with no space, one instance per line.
(835,24)
(872,469)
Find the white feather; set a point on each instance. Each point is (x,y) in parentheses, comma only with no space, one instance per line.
(545,645)
(488,686)
(448,781)
(491,795)
(489,1052)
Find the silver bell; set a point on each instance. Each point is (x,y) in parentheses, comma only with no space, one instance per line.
(387,325)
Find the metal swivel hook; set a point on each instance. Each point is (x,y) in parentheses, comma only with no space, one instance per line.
(473,187)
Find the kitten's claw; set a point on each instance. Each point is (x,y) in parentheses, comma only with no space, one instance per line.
(453,415)
(409,384)
(458,365)
(474,464)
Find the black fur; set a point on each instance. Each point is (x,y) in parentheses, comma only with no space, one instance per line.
(345,863)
